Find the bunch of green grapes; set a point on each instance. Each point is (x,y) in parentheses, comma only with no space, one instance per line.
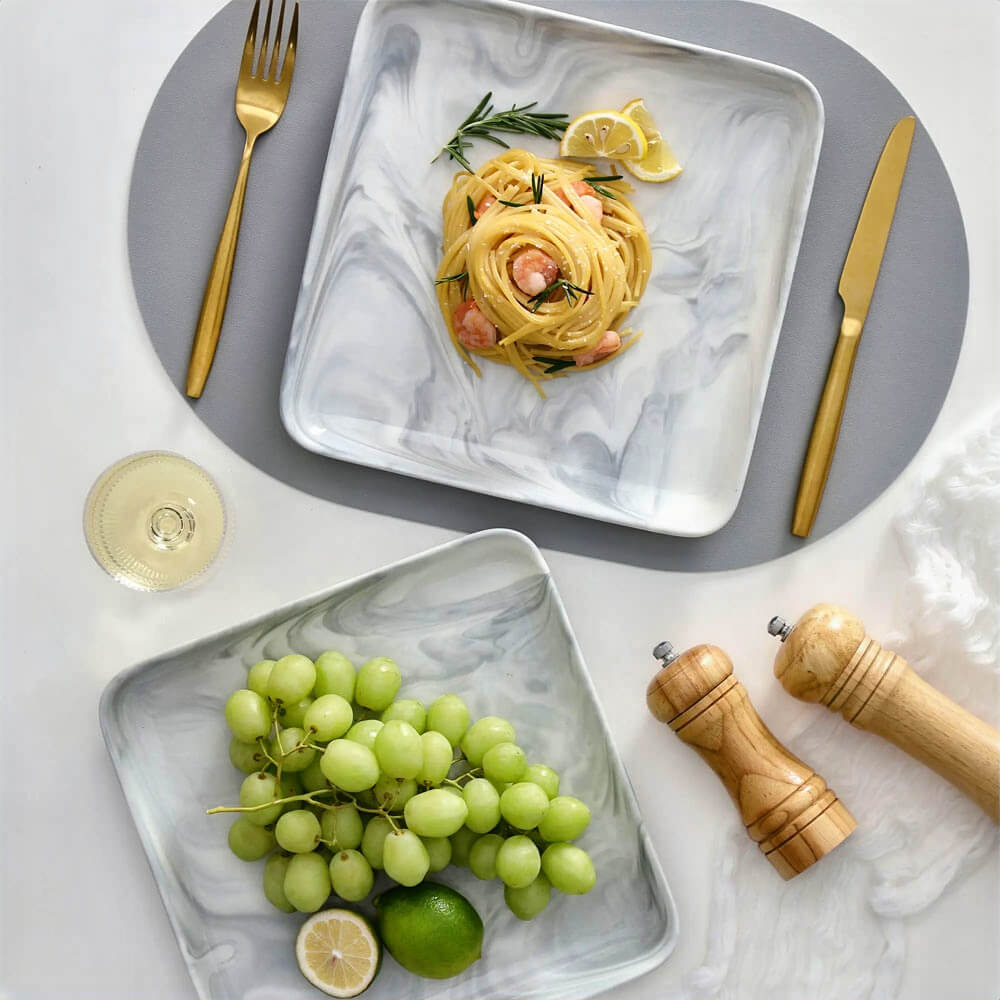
(344,780)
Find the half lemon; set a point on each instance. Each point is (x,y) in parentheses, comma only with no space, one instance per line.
(604,135)
(338,952)
(658,163)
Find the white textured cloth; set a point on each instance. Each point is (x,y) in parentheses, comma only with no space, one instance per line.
(836,930)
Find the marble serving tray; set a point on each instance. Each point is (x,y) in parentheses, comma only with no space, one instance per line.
(659,440)
(479,616)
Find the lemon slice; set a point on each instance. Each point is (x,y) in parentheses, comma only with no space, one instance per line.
(658,164)
(338,952)
(606,135)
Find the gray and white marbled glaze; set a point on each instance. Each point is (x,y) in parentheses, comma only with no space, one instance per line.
(480,617)
(659,440)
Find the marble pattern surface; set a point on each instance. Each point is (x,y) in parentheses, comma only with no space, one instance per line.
(660,440)
(480,617)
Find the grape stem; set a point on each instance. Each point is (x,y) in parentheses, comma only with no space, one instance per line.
(457,780)
(304,797)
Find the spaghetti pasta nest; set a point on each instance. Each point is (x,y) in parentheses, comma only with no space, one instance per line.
(517,202)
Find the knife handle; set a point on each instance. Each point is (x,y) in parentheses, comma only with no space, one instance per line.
(826,429)
(827,657)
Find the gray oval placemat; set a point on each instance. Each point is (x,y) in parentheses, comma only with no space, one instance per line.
(181,184)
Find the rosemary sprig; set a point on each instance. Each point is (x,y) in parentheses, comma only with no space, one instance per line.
(462,276)
(537,187)
(568,287)
(554,364)
(471,206)
(482,123)
(595,183)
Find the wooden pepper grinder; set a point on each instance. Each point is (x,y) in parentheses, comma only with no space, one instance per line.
(786,807)
(827,657)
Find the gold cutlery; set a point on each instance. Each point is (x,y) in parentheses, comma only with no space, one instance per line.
(857,283)
(260,100)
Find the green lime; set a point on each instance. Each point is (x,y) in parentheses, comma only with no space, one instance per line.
(429,929)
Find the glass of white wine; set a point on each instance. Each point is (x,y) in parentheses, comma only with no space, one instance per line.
(154,520)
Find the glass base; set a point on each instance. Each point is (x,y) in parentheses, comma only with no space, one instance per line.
(154,520)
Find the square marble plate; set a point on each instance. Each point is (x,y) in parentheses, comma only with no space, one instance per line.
(480,617)
(659,440)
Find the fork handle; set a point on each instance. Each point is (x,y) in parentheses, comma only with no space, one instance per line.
(213,305)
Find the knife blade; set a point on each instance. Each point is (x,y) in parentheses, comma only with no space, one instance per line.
(857,285)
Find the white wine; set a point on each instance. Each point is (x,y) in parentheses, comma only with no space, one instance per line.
(154,520)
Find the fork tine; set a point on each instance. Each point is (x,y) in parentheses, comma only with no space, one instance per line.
(246,63)
(288,66)
(272,73)
(262,61)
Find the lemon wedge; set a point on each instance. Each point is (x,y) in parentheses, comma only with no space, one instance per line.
(605,135)
(658,163)
(338,952)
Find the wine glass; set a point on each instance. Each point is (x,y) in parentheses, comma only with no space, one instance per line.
(154,520)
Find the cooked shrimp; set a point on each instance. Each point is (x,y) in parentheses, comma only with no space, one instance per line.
(484,203)
(608,344)
(472,328)
(588,196)
(533,271)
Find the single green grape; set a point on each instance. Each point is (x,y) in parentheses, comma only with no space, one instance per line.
(483,803)
(293,714)
(307,882)
(248,715)
(461,844)
(484,734)
(342,824)
(373,841)
(257,790)
(246,757)
(405,858)
(483,856)
(518,862)
(435,813)
(569,868)
(351,876)
(257,676)
(408,710)
(335,674)
(291,679)
(349,766)
(399,749)
(284,750)
(297,831)
(524,804)
(566,819)
(439,852)
(249,842)
(449,716)
(364,732)
(437,758)
(543,776)
(313,778)
(377,684)
(391,794)
(328,718)
(274,882)
(504,763)
(528,901)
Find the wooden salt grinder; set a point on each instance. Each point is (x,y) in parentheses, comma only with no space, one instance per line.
(786,807)
(827,657)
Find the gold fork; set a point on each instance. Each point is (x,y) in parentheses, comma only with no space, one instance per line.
(260,99)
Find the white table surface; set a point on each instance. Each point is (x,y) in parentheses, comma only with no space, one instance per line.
(80,913)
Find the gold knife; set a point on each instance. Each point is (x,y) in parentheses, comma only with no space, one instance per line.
(857,283)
